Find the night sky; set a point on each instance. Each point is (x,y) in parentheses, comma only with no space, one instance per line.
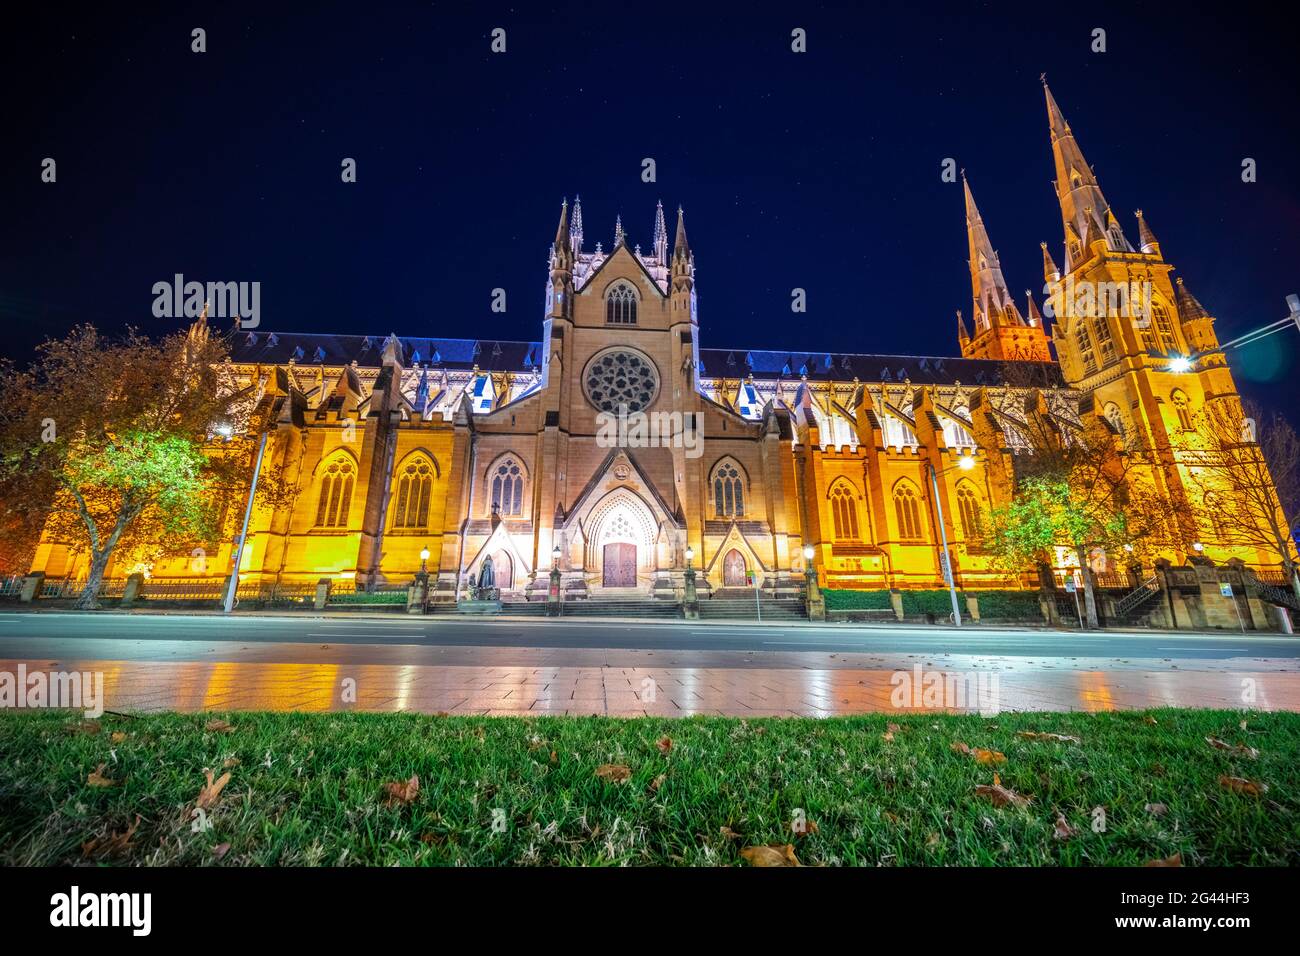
(817,170)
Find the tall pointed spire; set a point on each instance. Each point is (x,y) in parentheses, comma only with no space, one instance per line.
(993,302)
(575,231)
(1083,207)
(1050,272)
(1189,307)
(619,237)
(1147,241)
(963,335)
(659,244)
(680,246)
(562,230)
(1032,315)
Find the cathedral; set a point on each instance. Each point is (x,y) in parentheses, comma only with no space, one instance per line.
(411,453)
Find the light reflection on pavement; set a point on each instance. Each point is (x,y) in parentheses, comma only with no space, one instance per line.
(648,689)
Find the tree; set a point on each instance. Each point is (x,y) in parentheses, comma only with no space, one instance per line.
(106,438)
(1247,470)
(1082,489)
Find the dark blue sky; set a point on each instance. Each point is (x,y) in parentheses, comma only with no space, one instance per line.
(818,170)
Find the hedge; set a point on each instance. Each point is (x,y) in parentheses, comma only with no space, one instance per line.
(1009,605)
(841,600)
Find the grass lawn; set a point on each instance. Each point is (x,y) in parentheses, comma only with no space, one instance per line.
(311,789)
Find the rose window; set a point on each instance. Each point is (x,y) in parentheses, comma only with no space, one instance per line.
(617,378)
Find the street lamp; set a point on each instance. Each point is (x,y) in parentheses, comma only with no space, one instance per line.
(690,553)
(1198,547)
(1179,364)
(965,463)
(424,560)
(243,533)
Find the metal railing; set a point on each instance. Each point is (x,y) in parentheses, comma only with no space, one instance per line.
(1140,595)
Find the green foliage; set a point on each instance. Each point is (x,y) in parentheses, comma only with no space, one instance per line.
(845,600)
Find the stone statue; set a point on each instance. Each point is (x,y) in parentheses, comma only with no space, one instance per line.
(487,579)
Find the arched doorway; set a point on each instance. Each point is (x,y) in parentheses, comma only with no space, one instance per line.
(733,569)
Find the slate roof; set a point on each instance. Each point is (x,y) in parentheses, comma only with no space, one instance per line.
(310,348)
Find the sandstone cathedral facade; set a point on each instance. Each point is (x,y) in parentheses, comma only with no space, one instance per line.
(476,449)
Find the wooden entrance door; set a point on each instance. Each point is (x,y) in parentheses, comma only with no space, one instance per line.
(620,566)
(733,569)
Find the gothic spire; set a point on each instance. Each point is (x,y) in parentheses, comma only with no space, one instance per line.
(1050,272)
(619,237)
(963,336)
(993,302)
(680,246)
(562,231)
(659,244)
(1031,311)
(1188,306)
(1082,204)
(1146,238)
(575,230)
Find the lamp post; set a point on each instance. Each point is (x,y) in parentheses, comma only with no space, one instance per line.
(243,533)
(965,463)
(554,594)
(814,601)
(690,598)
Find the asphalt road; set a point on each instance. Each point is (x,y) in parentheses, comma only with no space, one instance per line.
(106,636)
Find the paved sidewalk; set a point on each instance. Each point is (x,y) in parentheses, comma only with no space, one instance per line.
(136,686)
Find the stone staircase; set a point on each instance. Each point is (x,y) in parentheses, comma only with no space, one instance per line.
(641,608)
(773,609)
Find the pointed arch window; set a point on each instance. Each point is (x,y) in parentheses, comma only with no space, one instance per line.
(414,492)
(728,491)
(1083,342)
(844,511)
(620,305)
(1164,328)
(968,504)
(335,494)
(1105,342)
(507,485)
(908,512)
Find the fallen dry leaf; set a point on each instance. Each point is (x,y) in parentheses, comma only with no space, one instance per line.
(1242,785)
(989,756)
(1035,735)
(229,762)
(402,793)
(1175,860)
(658,782)
(1000,795)
(96,778)
(774,854)
(1063,830)
(1149,720)
(554,758)
(887,735)
(958,747)
(220,850)
(90,727)
(665,744)
(211,792)
(728,833)
(219,726)
(1237,750)
(117,736)
(932,839)
(117,844)
(1156,809)
(614,772)
(893,728)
